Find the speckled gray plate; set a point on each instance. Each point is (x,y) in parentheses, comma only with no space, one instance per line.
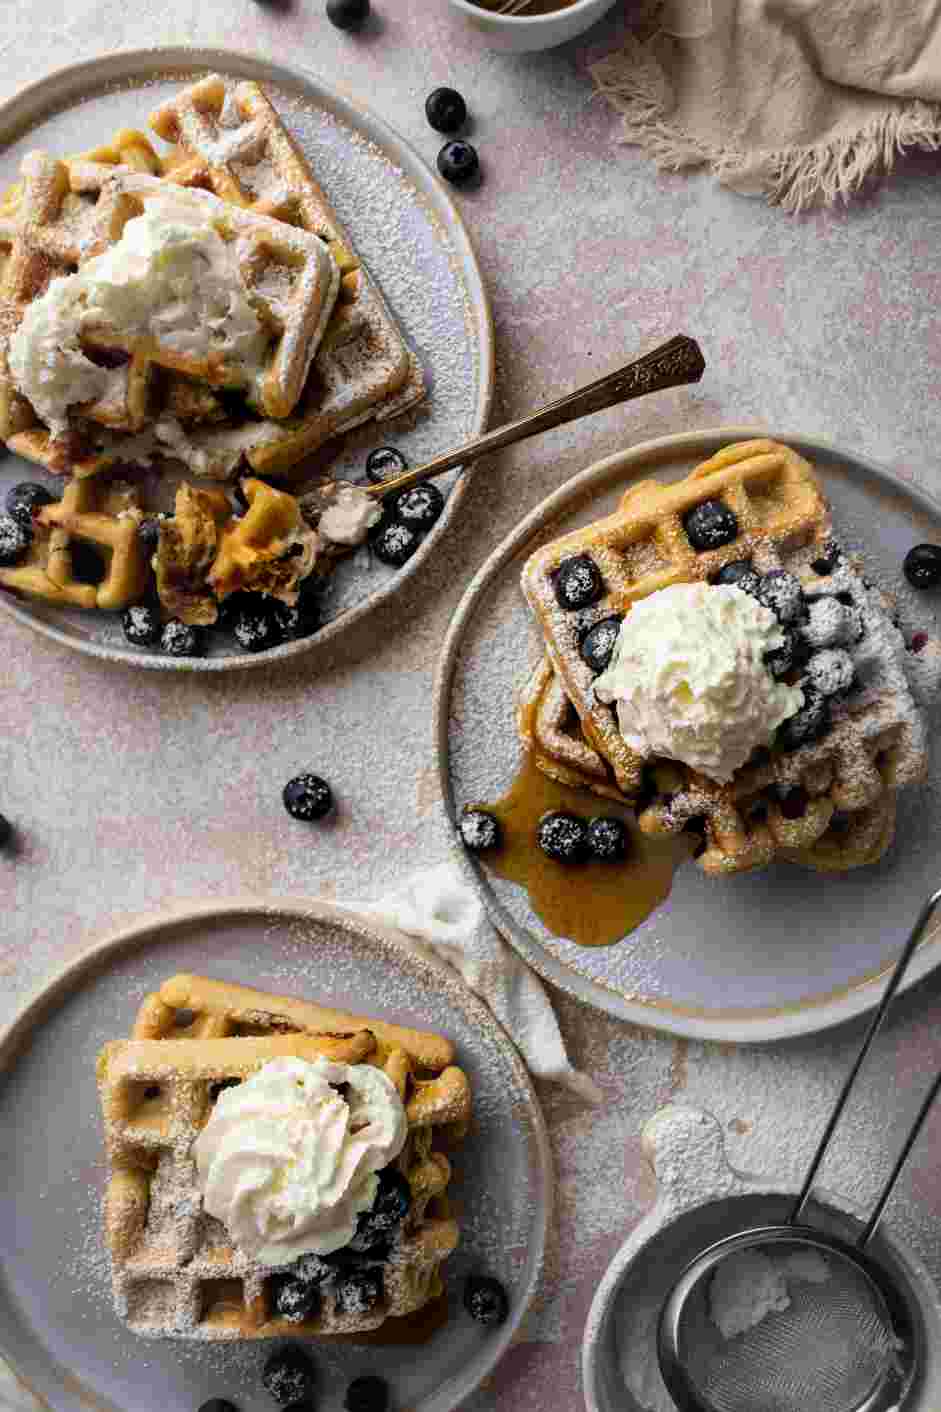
(411,238)
(57,1327)
(758,957)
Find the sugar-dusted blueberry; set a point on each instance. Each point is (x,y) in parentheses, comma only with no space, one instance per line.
(348,14)
(288,1375)
(15,539)
(445,109)
(294,1299)
(307,797)
(383,463)
(563,837)
(578,583)
(479,829)
(608,839)
(141,624)
(782,593)
(394,543)
(389,1209)
(23,501)
(458,162)
(486,1300)
(358,1291)
(710,525)
(301,619)
(257,624)
(922,566)
(599,642)
(830,672)
(418,507)
(789,657)
(827,622)
(182,639)
(806,725)
(731,575)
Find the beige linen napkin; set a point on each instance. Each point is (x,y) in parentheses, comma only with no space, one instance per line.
(797,100)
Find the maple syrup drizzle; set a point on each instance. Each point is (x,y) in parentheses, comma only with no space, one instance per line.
(593,903)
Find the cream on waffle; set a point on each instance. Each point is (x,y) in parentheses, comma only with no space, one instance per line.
(829,803)
(176,1271)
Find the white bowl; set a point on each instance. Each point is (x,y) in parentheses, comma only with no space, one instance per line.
(520,34)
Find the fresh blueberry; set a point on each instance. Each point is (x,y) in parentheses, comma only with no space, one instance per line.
(806,725)
(182,640)
(828,622)
(218,1404)
(826,562)
(458,162)
(789,657)
(445,109)
(479,829)
(295,1300)
(307,797)
(563,837)
(793,802)
(358,1291)
(394,543)
(311,1269)
(141,624)
(389,1209)
(257,625)
(348,14)
(608,839)
(922,566)
(300,620)
(578,583)
(599,642)
(368,1394)
(831,672)
(15,539)
(782,593)
(710,525)
(288,1375)
(148,531)
(23,501)
(731,575)
(419,507)
(486,1300)
(384,463)
(6,831)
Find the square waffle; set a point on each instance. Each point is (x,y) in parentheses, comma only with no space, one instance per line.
(176,1272)
(844,783)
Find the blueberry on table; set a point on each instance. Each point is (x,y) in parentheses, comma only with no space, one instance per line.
(458,162)
(922,566)
(598,644)
(288,1375)
(806,725)
(15,539)
(307,797)
(142,625)
(578,583)
(295,1299)
(710,525)
(782,593)
(383,463)
(486,1300)
(608,839)
(25,499)
(563,837)
(394,543)
(445,109)
(479,829)
(368,1394)
(348,14)
(418,507)
(182,640)
(257,625)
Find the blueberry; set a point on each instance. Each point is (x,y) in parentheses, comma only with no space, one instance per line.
(479,829)
(301,620)
(710,525)
(295,1300)
(23,501)
(393,1199)
(732,574)
(789,657)
(419,507)
(485,1300)
(445,109)
(578,583)
(806,725)
(598,643)
(369,1394)
(563,837)
(782,593)
(288,1375)
(15,539)
(307,797)
(384,463)
(148,531)
(218,1404)
(348,14)
(458,162)
(831,672)
(922,566)
(608,839)
(394,543)
(257,625)
(182,640)
(141,624)
(826,562)
(358,1291)
(6,831)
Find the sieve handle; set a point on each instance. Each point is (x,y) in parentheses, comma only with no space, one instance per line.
(895,980)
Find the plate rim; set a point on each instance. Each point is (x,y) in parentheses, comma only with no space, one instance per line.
(92,959)
(761,1027)
(356,113)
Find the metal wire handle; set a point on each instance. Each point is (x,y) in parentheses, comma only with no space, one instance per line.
(895,980)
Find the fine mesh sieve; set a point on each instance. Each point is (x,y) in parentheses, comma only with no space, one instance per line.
(789,1318)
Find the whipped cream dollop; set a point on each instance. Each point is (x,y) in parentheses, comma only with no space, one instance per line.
(689,679)
(171,277)
(350,515)
(287,1161)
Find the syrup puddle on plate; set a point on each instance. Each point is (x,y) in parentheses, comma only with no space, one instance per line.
(593,903)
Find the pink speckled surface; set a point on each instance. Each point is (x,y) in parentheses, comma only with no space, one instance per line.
(131,789)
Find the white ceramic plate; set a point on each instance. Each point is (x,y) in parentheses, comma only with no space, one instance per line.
(57,1327)
(419,253)
(752,958)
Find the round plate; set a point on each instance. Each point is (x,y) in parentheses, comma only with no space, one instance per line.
(57,1325)
(419,253)
(756,957)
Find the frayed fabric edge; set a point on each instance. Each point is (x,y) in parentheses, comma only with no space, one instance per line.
(795,178)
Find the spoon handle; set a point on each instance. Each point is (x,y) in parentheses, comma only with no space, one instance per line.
(673,364)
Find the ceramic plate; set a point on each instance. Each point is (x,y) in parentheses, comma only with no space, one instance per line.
(757,957)
(419,253)
(56,1322)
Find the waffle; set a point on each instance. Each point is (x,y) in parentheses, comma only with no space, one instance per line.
(176,1273)
(841,787)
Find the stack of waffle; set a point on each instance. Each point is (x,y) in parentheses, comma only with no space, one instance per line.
(176,1272)
(827,802)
